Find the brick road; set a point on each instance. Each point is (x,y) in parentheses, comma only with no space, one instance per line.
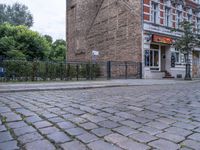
(165,117)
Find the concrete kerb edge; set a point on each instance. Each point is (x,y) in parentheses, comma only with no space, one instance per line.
(91,87)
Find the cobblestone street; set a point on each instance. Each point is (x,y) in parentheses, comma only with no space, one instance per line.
(165,117)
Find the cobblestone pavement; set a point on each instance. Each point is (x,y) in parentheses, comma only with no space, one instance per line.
(165,117)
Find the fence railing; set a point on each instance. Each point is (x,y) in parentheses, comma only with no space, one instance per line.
(20,70)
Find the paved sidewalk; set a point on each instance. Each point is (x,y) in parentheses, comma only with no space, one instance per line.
(16,87)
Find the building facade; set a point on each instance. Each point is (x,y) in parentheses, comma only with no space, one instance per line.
(132,30)
(159,56)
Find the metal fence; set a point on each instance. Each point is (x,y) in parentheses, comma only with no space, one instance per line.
(20,70)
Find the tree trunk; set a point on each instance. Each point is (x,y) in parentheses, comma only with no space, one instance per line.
(188,68)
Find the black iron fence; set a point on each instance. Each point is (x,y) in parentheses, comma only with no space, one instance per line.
(20,70)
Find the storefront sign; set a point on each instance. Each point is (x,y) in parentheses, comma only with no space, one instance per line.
(162,39)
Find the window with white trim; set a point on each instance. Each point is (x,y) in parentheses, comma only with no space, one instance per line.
(198,25)
(179,19)
(154,12)
(167,16)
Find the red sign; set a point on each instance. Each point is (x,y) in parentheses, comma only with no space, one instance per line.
(162,39)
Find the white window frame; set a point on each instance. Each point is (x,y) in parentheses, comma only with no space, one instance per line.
(155,17)
(168,17)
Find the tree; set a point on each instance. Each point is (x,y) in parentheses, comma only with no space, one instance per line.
(17,14)
(186,44)
(15,39)
(48,38)
(58,50)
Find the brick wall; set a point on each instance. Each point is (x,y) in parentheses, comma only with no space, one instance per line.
(112,27)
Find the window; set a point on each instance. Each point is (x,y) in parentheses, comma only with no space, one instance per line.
(179,18)
(177,56)
(198,25)
(167,16)
(190,18)
(154,12)
(152,57)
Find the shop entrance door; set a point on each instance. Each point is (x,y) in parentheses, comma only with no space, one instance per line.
(163,58)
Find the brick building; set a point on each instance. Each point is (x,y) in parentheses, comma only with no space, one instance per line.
(132,30)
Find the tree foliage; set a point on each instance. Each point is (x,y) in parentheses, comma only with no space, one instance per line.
(16,14)
(18,40)
(58,50)
(188,41)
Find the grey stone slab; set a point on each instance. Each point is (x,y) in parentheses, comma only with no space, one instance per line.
(87,138)
(132,145)
(59,137)
(157,125)
(166,120)
(93,118)
(164,145)
(150,130)
(5,109)
(56,120)
(108,124)
(49,130)
(37,145)
(74,145)
(171,137)
(124,130)
(10,117)
(100,132)
(115,138)
(42,124)
(2,128)
(125,115)
(75,131)
(191,144)
(101,145)
(184,125)
(5,136)
(24,130)
(78,120)
(195,136)
(14,125)
(66,125)
(143,137)
(179,131)
(10,145)
(30,137)
(33,119)
(131,124)
(25,112)
(89,126)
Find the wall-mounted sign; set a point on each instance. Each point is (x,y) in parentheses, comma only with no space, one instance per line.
(162,39)
(95,53)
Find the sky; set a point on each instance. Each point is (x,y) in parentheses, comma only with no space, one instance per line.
(49,16)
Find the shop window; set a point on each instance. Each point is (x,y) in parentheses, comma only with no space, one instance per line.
(152,58)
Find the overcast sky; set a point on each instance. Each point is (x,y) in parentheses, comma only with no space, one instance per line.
(49,16)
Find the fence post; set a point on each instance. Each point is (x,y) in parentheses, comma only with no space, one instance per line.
(140,65)
(126,70)
(77,72)
(87,72)
(61,71)
(33,70)
(108,70)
